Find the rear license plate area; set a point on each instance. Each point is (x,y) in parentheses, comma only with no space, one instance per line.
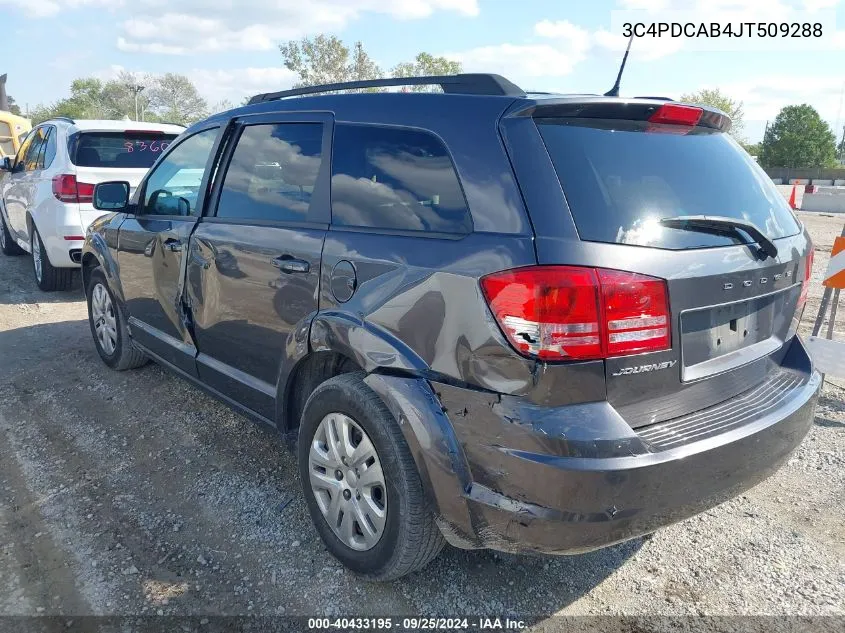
(719,338)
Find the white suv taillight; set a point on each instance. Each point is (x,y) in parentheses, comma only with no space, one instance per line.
(579,313)
(67,189)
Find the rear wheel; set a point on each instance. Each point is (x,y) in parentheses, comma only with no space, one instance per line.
(47,276)
(7,244)
(108,326)
(361,483)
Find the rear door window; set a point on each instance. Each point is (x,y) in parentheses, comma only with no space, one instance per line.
(272,173)
(30,160)
(48,149)
(620,179)
(120,150)
(397,179)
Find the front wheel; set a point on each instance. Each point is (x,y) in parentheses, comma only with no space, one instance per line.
(108,327)
(361,483)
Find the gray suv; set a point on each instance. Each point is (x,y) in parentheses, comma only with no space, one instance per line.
(540,323)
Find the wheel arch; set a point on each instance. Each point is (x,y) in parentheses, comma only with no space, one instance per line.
(96,254)
(340,343)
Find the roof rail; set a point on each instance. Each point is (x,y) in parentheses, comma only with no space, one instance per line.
(467,84)
(62,118)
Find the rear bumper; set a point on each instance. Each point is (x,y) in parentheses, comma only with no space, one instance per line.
(578,478)
(60,221)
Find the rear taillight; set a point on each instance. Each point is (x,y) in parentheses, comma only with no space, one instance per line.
(636,312)
(67,189)
(578,313)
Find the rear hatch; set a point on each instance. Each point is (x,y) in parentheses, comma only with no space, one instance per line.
(103,155)
(627,169)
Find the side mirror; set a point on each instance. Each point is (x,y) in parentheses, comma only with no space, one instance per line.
(6,165)
(111,196)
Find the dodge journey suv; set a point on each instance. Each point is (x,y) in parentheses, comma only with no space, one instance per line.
(524,322)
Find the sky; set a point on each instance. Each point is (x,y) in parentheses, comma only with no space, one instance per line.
(229,48)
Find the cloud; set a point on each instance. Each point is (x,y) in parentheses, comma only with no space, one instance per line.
(514,60)
(565,47)
(763,97)
(178,27)
(49,8)
(645,49)
(234,85)
(191,26)
(218,85)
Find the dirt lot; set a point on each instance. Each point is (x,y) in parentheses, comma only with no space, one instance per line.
(134,493)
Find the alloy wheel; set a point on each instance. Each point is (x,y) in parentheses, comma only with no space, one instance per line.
(36,256)
(348,482)
(105,324)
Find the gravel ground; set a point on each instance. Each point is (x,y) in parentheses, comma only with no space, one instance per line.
(134,493)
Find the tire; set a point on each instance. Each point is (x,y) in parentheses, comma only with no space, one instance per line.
(47,276)
(7,244)
(107,320)
(409,538)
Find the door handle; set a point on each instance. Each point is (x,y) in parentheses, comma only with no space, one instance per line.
(198,260)
(173,245)
(288,264)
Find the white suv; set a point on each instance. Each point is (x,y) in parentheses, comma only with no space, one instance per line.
(46,190)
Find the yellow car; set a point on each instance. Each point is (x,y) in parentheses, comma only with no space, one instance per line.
(13,129)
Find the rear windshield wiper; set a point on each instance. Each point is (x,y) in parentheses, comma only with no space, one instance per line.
(722,224)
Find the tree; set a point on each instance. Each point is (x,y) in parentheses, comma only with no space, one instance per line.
(715,98)
(840,150)
(221,106)
(326,59)
(426,64)
(175,99)
(167,98)
(118,96)
(798,138)
(14,108)
(751,148)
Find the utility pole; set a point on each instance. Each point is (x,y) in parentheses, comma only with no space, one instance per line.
(841,147)
(136,90)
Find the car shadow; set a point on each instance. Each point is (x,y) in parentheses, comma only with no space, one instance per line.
(18,286)
(829,402)
(150,423)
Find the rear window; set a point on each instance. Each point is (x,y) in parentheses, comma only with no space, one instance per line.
(619,180)
(120,150)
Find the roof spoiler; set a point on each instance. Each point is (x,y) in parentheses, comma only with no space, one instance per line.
(614,109)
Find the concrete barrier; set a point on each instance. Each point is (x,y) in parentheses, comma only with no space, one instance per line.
(826,199)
